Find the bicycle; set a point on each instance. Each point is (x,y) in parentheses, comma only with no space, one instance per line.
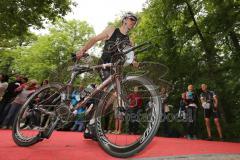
(48,109)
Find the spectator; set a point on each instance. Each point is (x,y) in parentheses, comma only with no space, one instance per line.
(182,108)
(165,110)
(190,100)
(182,115)
(108,119)
(77,96)
(135,104)
(3,85)
(79,123)
(209,102)
(118,115)
(44,82)
(23,85)
(18,102)
(9,96)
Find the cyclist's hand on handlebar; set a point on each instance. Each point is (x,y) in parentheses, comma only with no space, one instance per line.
(80,54)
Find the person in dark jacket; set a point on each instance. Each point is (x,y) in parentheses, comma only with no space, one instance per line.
(190,100)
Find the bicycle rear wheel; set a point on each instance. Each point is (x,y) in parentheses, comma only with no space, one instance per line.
(36,116)
(138,125)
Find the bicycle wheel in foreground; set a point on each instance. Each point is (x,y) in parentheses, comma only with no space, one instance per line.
(126,130)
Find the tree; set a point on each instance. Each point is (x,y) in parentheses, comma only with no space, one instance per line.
(17,16)
(199,42)
(50,55)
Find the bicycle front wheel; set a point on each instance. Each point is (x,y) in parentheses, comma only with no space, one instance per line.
(123,131)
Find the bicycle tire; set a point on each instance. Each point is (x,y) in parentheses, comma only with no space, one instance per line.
(19,139)
(127,151)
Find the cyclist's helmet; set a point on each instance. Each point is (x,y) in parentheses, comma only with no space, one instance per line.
(129,15)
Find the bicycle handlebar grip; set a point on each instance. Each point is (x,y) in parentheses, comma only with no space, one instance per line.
(74,56)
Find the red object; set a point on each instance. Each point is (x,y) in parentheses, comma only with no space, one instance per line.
(72,146)
(21,87)
(135,100)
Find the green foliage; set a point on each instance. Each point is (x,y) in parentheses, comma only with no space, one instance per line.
(49,56)
(6,62)
(199,42)
(17,16)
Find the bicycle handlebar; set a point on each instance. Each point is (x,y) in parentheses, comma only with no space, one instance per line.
(74,57)
(139,46)
(88,68)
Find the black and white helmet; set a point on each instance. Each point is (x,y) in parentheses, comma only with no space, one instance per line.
(129,15)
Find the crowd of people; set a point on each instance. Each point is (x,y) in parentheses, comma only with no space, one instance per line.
(113,116)
(14,94)
(189,105)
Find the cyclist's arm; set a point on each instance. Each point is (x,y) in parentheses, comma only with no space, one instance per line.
(106,34)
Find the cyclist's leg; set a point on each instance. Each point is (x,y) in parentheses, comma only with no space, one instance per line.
(89,131)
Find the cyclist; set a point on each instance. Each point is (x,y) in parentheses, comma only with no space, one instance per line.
(111,36)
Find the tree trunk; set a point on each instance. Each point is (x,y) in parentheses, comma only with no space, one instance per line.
(206,46)
(235,41)
(197,28)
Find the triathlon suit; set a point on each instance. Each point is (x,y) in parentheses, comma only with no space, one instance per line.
(110,51)
(212,111)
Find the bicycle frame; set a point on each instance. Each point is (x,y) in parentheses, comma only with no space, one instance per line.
(114,78)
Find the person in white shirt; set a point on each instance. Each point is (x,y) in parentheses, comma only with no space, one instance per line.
(3,85)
